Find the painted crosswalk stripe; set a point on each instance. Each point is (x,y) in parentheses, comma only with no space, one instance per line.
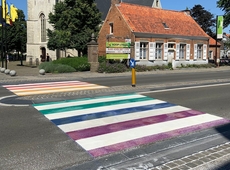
(103,125)
(51,87)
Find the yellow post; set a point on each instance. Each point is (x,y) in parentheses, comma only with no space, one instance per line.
(133,77)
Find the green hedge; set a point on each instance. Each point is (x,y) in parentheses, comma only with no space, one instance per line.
(79,63)
(50,67)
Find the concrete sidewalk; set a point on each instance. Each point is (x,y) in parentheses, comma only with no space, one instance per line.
(27,72)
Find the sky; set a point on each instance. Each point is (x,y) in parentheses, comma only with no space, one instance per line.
(178,5)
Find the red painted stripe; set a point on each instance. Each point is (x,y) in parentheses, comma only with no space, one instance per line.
(90,132)
(18,85)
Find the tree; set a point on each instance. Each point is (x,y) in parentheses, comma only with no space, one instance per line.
(73,21)
(224,6)
(15,36)
(205,19)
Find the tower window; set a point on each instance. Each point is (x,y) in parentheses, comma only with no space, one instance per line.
(43,28)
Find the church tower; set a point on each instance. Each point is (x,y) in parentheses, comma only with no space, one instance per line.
(157,4)
(37,25)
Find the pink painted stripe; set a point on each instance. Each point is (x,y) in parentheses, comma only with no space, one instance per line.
(44,86)
(154,138)
(60,82)
(76,135)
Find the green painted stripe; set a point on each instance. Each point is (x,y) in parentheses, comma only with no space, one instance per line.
(83,99)
(94,105)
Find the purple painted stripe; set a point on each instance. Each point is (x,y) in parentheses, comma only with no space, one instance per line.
(100,130)
(154,138)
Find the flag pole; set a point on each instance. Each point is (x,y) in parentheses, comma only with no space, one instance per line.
(2,53)
(5,37)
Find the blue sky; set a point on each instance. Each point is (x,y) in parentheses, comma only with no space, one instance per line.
(178,5)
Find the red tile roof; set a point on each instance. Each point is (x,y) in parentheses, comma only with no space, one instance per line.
(150,20)
(213,42)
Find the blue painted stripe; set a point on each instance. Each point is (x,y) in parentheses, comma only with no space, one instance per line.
(95,105)
(110,113)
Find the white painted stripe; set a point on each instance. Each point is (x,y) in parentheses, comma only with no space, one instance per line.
(184,88)
(58,91)
(119,118)
(100,109)
(90,101)
(18,85)
(144,131)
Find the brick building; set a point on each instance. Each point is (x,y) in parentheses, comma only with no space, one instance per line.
(157,36)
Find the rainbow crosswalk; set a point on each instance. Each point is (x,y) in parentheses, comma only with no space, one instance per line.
(108,124)
(51,87)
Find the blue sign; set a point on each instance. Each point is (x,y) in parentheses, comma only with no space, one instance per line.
(132,63)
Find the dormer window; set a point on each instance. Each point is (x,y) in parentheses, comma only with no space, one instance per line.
(165,25)
(111,28)
(157,3)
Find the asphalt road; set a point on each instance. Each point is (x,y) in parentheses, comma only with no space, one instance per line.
(30,141)
(213,99)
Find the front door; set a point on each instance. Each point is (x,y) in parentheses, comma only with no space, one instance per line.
(170,55)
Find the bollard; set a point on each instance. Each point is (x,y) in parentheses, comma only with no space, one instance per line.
(37,62)
(133,77)
(30,61)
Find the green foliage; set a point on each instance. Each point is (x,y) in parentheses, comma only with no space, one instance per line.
(224,6)
(106,67)
(101,59)
(77,19)
(205,19)
(16,35)
(78,63)
(50,67)
(141,68)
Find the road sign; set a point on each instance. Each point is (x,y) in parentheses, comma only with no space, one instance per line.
(132,63)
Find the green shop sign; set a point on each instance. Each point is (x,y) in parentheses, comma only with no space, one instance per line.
(117,56)
(118,44)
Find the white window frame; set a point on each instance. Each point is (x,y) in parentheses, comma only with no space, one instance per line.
(111,29)
(182,52)
(159,51)
(144,50)
(199,51)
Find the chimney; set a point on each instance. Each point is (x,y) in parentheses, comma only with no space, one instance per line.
(115,2)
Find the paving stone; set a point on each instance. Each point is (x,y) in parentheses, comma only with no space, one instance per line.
(191,165)
(171,164)
(179,162)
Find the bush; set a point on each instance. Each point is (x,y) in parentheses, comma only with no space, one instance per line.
(79,63)
(101,59)
(112,68)
(50,67)
(141,68)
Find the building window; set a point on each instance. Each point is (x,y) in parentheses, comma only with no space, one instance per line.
(171,46)
(159,50)
(182,51)
(211,54)
(199,51)
(111,28)
(143,50)
(43,28)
